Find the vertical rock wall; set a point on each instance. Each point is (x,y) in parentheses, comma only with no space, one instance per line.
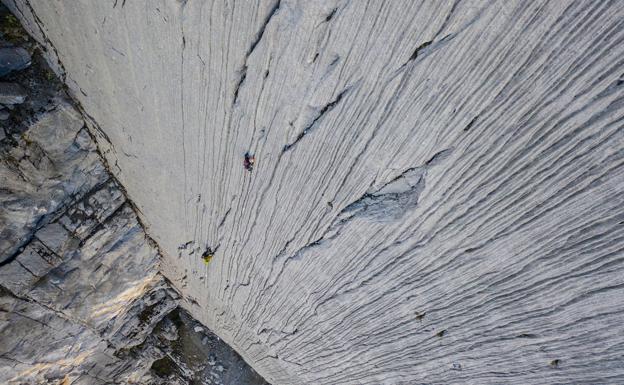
(355,192)
(79,283)
(81,298)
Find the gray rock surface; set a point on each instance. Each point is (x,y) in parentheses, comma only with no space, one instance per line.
(12,93)
(54,164)
(436,187)
(81,298)
(195,355)
(77,271)
(76,268)
(13,59)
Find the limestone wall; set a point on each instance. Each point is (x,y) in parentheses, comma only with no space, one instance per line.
(366,192)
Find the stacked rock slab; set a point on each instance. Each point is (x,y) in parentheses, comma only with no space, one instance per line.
(79,277)
(349,192)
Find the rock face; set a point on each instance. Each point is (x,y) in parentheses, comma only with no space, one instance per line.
(40,175)
(13,59)
(79,277)
(81,298)
(391,192)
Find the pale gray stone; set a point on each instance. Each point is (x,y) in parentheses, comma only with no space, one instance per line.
(81,299)
(436,187)
(84,288)
(49,168)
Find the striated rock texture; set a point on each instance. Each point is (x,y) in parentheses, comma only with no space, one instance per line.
(350,192)
(81,298)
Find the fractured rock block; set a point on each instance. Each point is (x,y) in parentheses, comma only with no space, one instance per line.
(12,93)
(13,59)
